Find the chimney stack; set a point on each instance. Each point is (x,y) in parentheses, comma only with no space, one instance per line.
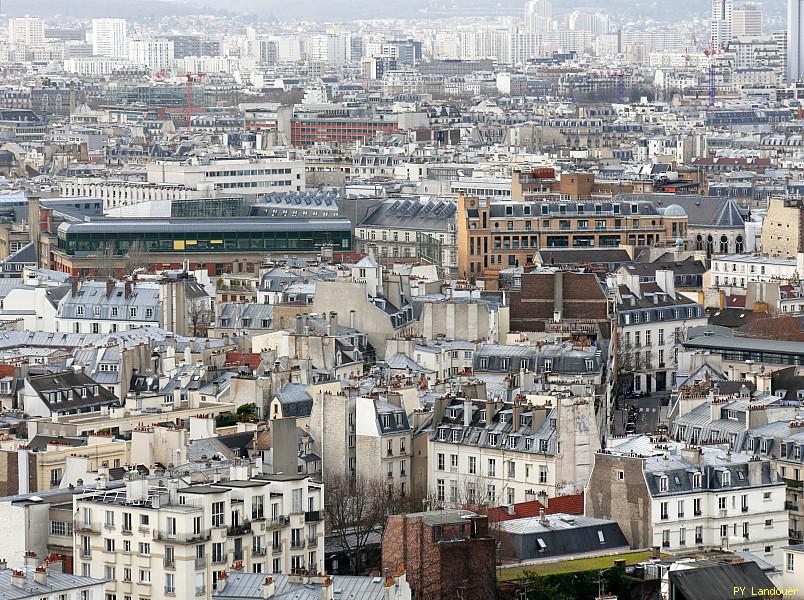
(18,578)
(327,589)
(40,575)
(221,580)
(268,588)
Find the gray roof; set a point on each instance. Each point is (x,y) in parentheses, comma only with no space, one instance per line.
(247,586)
(295,400)
(204,225)
(702,211)
(56,582)
(723,342)
(112,302)
(422,214)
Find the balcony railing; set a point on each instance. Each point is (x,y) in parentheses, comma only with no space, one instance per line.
(744,509)
(790,505)
(86,527)
(239,529)
(277,549)
(279,521)
(200,590)
(169,563)
(312,516)
(666,544)
(296,544)
(200,562)
(237,555)
(170,591)
(699,540)
(312,542)
(795,535)
(258,552)
(182,538)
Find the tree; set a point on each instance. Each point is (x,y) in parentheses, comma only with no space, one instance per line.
(200,317)
(774,327)
(106,262)
(136,257)
(357,509)
(247,413)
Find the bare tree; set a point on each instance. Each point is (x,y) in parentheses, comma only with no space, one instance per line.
(136,257)
(358,509)
(106,263)
(200,317)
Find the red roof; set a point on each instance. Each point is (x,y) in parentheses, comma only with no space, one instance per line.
(7,370)
(735,301)
(251,359)
(568,505)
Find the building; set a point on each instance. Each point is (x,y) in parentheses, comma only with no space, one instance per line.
(495,452)
(494,234)
(721,23)
(793,567)
(231,175)
(110,306)
(153,541)
(214,244)
(795,40)
(682,498)
(782,227)
(257,586)
(26,31)
(109,38)
(447,554)
(746,21)
(738,270)
(46,582)
(65,393)
(652,321)
(539,15)
(157,55)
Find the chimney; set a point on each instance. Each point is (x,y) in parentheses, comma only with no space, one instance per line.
(40,575)
(755,470)
(3,564)
(74,285)
(221,581)
(17,578)
(109,287)
(542,518)
(516,412)
(128,288)
(691,454)
(539,414)
(327,589)
(665,279)
(299,325)
(467,412)
(352,315)
(268,588)
(33,220)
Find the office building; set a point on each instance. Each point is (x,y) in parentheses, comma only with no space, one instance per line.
(109,38)
(157,55)
(539,15)
(746,21)
(795,39)
(26,31)
(720,26)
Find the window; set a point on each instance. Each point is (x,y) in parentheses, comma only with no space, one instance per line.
(257,507)
(132,312)
(663,483)
(721,503)
(492,468)
(696,507)
(145,576)
(543,474)
(663,511)
(108,544)
(790,563)
(680,509)
(217,514)
(766,496)
(473,465)
(217,552)
(149,313)
(724,531)
(440,490)
(769,523)
(453,462)
(170,583)
(621,475)
(145,548)
(440,461)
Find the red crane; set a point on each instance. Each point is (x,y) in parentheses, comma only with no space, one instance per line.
(191,79)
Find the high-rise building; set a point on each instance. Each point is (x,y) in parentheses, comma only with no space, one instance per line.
(157,55)
(795,30)
(539,15)
(26,31)
(109,38)
(746,21)
(720,33)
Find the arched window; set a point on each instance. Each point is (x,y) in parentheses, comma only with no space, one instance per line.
(710,245)
(724,244)
(738,245)
(699,242)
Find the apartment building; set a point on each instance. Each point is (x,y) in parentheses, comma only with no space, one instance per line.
(652,320)
(383,442)
(495,234)
(156,542)
(498,452)
(736,271)
(682,498)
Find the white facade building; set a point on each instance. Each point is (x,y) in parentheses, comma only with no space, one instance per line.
(720,32)
(795,39)
(151,542)
(157,55)
(738,270)
(26,31)
(109,38)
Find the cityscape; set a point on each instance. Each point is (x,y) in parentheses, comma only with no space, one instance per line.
(438,300)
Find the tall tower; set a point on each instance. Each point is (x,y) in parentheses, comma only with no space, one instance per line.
(795,30)
(720,33)
(746,21)
(109,38)
(538,15)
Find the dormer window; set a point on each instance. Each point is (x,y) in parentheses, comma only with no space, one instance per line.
(726,477)
(528,443)
(442,434)
(456,435)
(492,439)
(482,416)
(663,483)
(512,441)
(542,445)
(696,480)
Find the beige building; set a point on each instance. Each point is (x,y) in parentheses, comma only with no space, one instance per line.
(781,229)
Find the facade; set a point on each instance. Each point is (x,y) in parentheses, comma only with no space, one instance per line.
(686,498)
(26,31)
(782,227)
(447,554)
(154,542)
(795,40)
(109,38)
(502,453)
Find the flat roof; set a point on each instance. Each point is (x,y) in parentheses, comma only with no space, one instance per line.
(204,225)
(716,342)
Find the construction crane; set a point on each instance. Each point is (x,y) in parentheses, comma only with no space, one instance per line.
(192,78)
(710,53)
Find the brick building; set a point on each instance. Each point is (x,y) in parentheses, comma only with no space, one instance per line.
(447,554)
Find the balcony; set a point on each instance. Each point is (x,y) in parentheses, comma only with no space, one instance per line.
(296,544)
(86,527)
(790,505)
(108,525)
(258,551)
(237,555)
(793,483)
(276,522)
(312,516)
(170,591)
(666,544)
(200,562)
(276,549)
(218,560)
(200,590)
(696,513)
(795,535)
(85,553)
(664,516)
(699,540)
(182,538)
(312,542)
(169,563)
(239,529)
